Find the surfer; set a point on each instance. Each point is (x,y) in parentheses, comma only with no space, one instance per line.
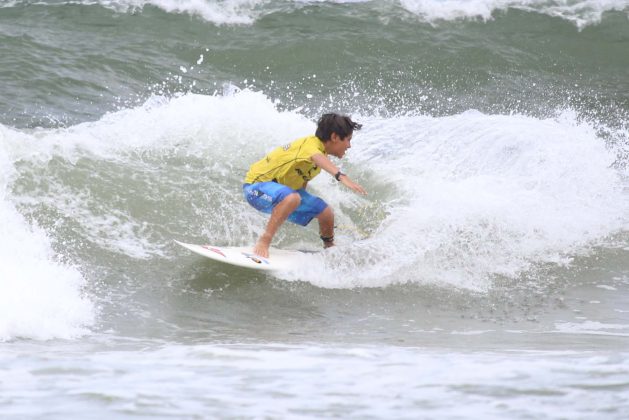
(276,184)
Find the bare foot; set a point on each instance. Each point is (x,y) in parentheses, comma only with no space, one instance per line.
(261,248)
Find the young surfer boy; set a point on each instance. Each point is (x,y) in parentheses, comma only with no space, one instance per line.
(277,183)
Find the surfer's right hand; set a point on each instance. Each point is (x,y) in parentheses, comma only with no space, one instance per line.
(345,180)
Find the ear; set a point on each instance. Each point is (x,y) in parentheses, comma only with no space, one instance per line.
(335,137)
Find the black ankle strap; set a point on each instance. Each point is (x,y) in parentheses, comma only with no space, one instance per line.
(327,239)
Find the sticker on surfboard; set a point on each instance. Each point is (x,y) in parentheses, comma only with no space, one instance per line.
(242,256)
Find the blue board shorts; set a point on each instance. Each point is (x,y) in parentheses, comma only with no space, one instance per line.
(264,196)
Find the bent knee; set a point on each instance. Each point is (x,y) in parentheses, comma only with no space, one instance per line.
(292,198)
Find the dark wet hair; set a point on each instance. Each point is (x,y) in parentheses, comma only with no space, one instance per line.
(342,125)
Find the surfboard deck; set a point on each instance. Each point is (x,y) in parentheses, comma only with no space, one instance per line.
(279,259)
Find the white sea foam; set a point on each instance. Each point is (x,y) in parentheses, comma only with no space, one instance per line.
(593,327)
(282,381)
(40,296)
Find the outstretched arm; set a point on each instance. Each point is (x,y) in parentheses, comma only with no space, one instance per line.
(326,164)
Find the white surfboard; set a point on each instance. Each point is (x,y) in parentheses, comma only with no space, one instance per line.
(279,259)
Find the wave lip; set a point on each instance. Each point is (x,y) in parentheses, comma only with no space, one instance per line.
(581,13)
(219,12)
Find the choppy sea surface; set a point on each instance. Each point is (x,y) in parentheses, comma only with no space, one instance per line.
(485,275)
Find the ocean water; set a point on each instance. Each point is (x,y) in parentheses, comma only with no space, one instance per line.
(485,275)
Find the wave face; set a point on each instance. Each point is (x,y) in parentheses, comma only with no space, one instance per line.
(455,200)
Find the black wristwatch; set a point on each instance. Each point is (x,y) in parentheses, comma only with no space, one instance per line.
(338,175)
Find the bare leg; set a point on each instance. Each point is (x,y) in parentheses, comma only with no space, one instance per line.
(326,225)
(278,217)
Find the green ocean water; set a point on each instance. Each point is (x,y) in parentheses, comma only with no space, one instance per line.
(487,265)
(68,62)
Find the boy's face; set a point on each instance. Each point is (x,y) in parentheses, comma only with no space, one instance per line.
(337,146)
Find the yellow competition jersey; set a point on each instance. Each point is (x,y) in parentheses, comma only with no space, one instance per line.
(289,165)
